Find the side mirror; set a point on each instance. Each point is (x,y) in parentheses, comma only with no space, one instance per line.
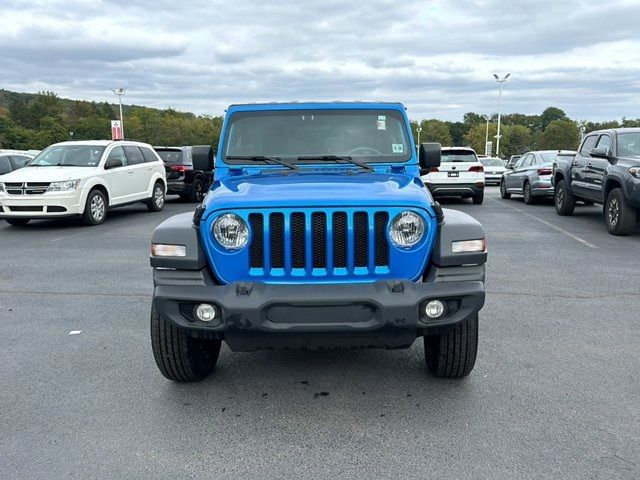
(429,155)
(509,166)
(599,152)
(112,163)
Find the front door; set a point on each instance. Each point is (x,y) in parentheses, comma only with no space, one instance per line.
(121,181)
(595,170)
(579,167)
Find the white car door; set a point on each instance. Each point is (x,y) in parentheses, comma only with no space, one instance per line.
(140,174)
(120,178)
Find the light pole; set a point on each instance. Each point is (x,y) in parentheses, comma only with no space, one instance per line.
(120,92)
(418,130)
(486,136)
(500,82)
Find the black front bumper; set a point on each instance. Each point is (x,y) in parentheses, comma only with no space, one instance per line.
(455,189)
(251,316)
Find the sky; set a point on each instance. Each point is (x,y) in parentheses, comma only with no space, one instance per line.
(436,57)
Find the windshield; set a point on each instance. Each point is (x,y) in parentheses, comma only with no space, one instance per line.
(629,144)
(171,157)
(491,162)
(364,135)
(68,156)
(457,156)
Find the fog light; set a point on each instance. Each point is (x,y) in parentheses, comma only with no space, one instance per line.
(434,309)
(205,312)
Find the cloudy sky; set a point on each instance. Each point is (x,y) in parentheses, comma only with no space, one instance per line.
(436,56)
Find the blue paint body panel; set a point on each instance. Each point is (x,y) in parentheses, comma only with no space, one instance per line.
(322,187)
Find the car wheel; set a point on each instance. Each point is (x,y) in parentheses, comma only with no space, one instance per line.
(198,191)
(563,201)
(17,222)
(156,202)
(95,208)
(526,193)
(478,199)
(181,357)
(503,190)
(619,216)
(452,354)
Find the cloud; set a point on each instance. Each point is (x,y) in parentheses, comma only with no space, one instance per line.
(437,56)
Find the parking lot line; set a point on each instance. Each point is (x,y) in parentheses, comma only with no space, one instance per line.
(548,224)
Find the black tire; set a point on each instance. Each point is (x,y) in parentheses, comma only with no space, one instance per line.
(17,222)
(157,200)
(453,354)
(503,190)
(180,357)
(564,202)
(95,208)
(619,216)
(478,199)
(198,191)
(526,193)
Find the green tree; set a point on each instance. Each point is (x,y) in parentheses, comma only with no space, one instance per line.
(551,114)
(435,131)
(560,135)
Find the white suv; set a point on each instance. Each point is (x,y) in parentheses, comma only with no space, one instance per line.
(83,179)
(460,175)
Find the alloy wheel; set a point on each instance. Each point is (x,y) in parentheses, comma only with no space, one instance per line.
(613,212)
(97,208)
(158,197)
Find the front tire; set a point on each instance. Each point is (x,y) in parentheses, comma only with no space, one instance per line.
(564,202)
(619,216)
(452,354)
(157,200)
(503,190)
(478,199)
(180,357)
(95,208)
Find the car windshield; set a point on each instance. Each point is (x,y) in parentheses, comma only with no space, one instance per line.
(68,156)
(457,156)
(629,144)
(491,162)
(170,157)
(362,135)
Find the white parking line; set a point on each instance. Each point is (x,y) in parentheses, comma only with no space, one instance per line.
(550,225)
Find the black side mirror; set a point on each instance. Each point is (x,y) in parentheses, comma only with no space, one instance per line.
(112,163)
(429,155)
(509,166)
(599,152)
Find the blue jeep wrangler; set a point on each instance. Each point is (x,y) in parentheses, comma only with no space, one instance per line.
(317,232)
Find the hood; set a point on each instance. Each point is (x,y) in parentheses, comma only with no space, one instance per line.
(47,174)
(309,189)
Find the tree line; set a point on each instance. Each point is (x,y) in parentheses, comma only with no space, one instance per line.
(33,121)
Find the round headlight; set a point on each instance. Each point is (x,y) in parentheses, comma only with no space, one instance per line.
(407,229)
(231,231)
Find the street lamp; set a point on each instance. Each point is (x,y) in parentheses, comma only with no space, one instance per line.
(500,82)
(486,136)
(418,130)
(120,92)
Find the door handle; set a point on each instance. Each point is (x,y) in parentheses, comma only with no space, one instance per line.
(575,164)
(129,171)
(589,164)
(149,168)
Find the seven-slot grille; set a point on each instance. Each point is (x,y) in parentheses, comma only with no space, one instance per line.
(31,188)
(319,240)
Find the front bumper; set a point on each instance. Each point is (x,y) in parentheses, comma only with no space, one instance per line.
(252,316)
(455,189)
(46,205)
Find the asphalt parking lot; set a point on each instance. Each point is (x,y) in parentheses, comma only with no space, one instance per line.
(554,393)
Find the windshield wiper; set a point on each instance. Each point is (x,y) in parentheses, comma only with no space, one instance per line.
(337,159)
(263,158)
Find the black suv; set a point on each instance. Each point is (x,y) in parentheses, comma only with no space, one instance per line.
(189,170)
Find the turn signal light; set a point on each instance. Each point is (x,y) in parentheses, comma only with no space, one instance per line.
(162,250)
(469,246)
(544,171)
(179,168)
(476,168)
(434,170)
